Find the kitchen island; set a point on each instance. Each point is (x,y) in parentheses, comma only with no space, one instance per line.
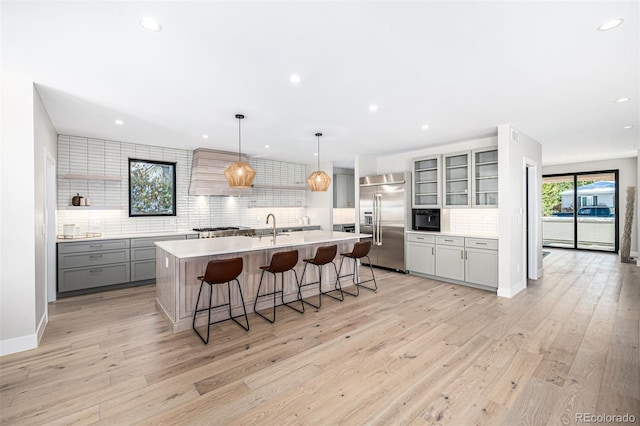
(179,263)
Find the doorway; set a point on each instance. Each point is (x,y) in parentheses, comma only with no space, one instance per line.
(580,210)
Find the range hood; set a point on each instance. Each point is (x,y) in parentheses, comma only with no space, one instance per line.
(207,173)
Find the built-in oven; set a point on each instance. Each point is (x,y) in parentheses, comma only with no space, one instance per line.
(426,220)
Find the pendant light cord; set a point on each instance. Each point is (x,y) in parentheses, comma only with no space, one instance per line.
(239,140)
(318,152)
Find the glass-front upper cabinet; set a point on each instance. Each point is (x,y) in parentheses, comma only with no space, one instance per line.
(457,172)
(426,182)
(485,178)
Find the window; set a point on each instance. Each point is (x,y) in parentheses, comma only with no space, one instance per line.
(152,188)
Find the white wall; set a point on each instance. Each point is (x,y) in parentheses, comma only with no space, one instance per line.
(17,230)
(513,156)
(402,162)
(627,176)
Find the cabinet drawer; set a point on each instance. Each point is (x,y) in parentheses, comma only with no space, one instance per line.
(481,243)
(92,246)
(421,238)
(143,253)
(145,270)
(450,241)
(149,241)
(78,260)
(97,276)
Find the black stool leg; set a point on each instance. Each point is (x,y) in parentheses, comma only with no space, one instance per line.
(357,293)
(243,307)
(255,302)
(373,278)
(337,286)
(200,310)
(299,296)
(319,289)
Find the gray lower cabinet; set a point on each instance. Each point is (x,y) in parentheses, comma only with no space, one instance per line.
(462,259)
(85,265)
(143,256)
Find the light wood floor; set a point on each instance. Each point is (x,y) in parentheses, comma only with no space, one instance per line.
(417,352)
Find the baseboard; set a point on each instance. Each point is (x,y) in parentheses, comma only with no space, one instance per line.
(43,324)
(18,344)
(512,290)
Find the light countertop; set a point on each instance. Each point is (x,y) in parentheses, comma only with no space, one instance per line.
(130,235)
(456,234)
(213,246)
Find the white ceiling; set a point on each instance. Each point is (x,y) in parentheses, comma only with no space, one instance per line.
(461,67)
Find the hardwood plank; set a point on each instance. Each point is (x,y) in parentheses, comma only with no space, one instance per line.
(418,351)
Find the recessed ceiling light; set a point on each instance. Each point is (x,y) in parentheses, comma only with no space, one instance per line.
(315,154)
(609,25)
(621,100)
(294,78)
(628,127)
(205,136)
(267,146)
(119,122)
(425,127)
(150,24)
(373,108)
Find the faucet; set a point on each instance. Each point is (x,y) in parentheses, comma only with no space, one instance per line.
(274,225)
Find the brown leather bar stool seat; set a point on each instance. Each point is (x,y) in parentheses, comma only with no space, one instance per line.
(324,256)
(360,249)
(281,262)
(220,272)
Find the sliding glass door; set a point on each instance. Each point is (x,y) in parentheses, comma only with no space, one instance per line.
(580,211)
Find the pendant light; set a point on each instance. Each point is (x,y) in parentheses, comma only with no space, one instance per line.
(239,174)
(319,181)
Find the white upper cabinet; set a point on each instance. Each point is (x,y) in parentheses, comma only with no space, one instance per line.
(457,183)
(485,178)
(426,182)
(471,178)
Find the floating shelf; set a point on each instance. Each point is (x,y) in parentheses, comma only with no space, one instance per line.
(91,208)
(92,177)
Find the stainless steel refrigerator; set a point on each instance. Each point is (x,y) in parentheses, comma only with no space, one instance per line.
(384,213)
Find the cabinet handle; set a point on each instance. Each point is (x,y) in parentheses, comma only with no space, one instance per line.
(419,238)
(462,254)
(466,255)
(433,251)
(481,244)
(449,241)
(95,256)
(93,271)
(95,245)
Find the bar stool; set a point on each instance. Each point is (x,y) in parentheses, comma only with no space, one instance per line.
(281,262)
(220,272)
(360,250)
(324,255)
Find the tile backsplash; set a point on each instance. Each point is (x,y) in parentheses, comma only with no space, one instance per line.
(473,221)
(109,215)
